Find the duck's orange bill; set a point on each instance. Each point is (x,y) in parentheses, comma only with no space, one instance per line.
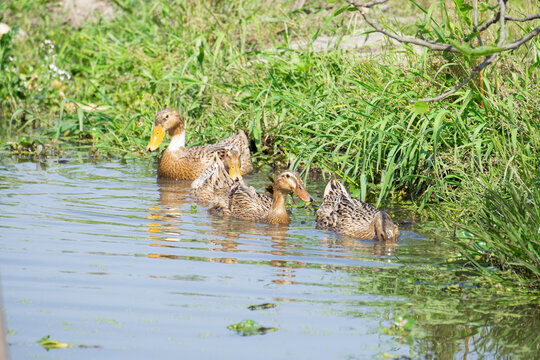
(303,195)
(156,139)
(234,171)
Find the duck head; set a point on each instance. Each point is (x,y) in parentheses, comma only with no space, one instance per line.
(167,120)
(232,163)
(290,181)
(385,229)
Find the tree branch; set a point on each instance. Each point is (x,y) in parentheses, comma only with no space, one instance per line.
(500,17)
(502,11)
(523,19)
(475,72)
(433,45)
(508,18)
(514,45)
(475,21)
(373,3)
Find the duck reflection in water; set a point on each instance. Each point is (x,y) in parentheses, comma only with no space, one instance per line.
(227,235)
(232,237)
(241,238)
(356,247)
(173,195)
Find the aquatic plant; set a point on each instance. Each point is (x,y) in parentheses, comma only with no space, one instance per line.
(48,344)
(250,327)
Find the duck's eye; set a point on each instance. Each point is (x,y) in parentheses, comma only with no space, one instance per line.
(287,175)
(167,116)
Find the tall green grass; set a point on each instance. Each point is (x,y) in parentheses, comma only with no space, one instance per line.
(506,231)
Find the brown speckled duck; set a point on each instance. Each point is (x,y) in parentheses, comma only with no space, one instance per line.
(181,163)
(341,213)
(215,183)
(245,203)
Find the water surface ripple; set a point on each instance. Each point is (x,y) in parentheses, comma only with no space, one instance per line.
(103,257)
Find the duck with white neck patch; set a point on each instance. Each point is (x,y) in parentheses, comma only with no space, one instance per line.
(181,163)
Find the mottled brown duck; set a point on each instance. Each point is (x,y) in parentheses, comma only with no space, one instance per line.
(341,213)
(247,204)
(215,183)
(181,163)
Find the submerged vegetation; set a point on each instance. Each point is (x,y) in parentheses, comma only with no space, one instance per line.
(254,65)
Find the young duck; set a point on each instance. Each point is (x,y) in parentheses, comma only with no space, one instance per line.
(215,183)
(345,215)
(245,203)
(181,163)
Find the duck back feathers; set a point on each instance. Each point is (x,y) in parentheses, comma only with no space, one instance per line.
(214,184)
(341,213)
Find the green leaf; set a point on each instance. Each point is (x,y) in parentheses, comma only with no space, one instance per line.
(420,107)
(486,50)
(463,48)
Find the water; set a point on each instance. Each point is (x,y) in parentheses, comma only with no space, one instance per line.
(102,257)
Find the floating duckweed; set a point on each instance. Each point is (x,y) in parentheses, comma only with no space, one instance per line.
(48,344)
(250,327)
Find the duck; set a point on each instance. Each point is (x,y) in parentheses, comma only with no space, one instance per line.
(181,163)
(216,181)
(341,213)
(245,203)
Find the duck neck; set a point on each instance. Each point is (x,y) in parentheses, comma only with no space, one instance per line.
(178,139)
(278,214)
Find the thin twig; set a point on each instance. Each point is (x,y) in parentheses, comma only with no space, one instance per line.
(521,41)
(433,45)
(502,11)
(373,3)
(475,21)
(475,72)
(493,20)
(523,19)
(488,23)
(480,43)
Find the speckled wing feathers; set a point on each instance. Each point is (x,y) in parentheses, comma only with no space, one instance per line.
(189,163)
(214,184)
(247,204)
(345,215)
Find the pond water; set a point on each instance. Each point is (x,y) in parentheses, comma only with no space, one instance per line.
(102,257)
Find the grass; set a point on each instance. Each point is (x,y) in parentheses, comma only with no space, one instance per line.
(229,65)
(505,231)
